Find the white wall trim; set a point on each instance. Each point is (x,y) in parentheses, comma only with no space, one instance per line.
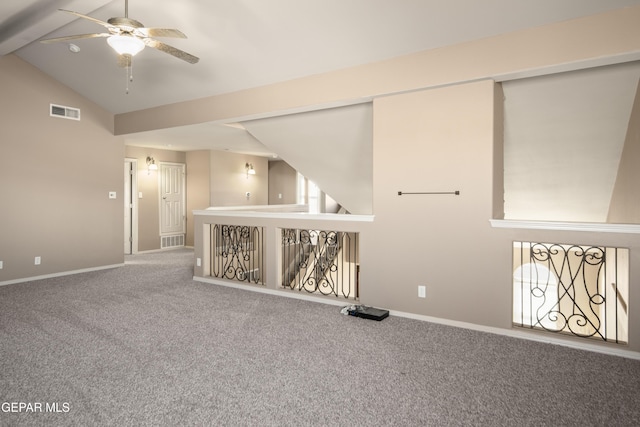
(480,328)
(594,227)
(60,274)
(285,215)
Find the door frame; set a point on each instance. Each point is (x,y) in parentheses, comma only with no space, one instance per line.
(134,203)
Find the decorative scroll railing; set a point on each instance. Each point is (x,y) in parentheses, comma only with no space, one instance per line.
(571,289)
(237,253)
(319,261)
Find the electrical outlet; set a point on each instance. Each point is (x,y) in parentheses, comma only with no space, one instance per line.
(112,194)
(422,291)
(37,260)
(198,262)
(1,264)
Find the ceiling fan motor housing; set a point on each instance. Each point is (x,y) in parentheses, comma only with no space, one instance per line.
(125,24)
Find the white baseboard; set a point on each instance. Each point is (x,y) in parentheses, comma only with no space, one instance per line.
(60,274)
(522,334)
(281,293)
(153,251)
(488,329)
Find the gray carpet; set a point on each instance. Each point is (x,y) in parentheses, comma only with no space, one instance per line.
(146,345)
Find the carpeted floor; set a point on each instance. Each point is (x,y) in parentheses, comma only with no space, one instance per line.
(146,345)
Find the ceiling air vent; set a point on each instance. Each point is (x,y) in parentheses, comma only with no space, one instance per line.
(64,112)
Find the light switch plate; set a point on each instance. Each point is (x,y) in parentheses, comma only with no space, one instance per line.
(112,194)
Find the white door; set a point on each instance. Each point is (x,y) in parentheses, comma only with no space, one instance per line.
(130,211)
(128,208)
(172,198)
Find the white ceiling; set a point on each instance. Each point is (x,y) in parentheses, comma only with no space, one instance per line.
(248,43)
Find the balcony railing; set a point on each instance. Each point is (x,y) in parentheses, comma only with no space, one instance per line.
(237,253)
(320,261)
(281,248)
(572,289)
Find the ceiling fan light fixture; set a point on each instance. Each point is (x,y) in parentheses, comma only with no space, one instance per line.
(125,44)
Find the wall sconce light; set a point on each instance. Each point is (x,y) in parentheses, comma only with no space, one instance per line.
(250,169)
(151,165)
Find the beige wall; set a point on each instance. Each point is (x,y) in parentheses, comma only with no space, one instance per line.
(149,204)
(229,181)
(625,200)
(198,172)
(283,181)
(56,177)
(436,141)
(218,178)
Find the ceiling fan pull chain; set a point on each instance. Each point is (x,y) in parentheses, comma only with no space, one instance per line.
(129,70)
(126,61)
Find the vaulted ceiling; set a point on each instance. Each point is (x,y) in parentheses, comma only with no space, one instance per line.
(249,43)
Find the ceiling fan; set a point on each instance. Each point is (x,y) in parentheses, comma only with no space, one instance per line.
(128,37)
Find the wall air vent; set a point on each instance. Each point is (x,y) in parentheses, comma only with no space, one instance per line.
(175,241)
(64,112)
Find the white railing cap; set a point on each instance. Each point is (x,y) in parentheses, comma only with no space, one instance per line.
(566,226)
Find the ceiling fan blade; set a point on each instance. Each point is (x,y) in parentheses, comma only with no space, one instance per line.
(97,21)
(76,37)
(180,54)
(160,32)
(124,60)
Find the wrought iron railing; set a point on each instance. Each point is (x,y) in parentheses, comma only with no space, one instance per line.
(572,289)
(237,253)
(319,261)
